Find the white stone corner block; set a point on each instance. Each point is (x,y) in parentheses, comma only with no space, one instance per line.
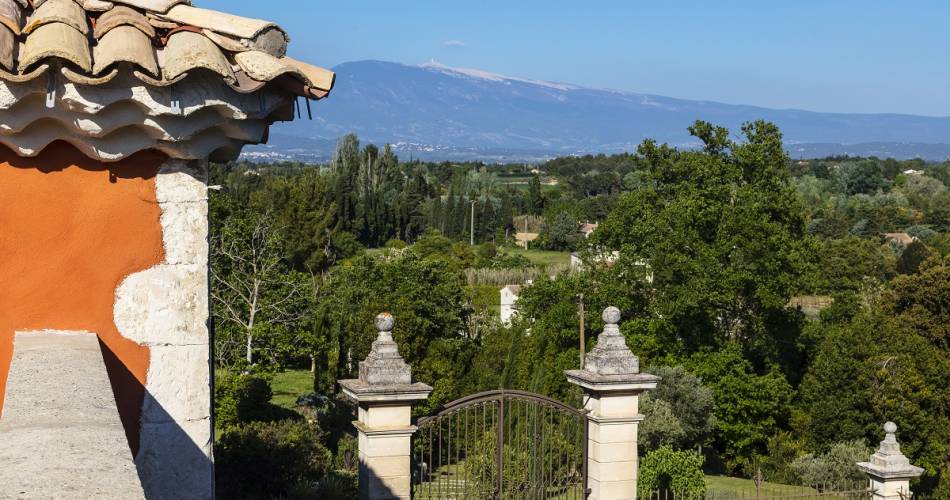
(182,181)
(174,461)
(164,305)
(179,384)
(185,233)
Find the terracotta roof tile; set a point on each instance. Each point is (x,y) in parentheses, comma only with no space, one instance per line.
(123,16)
(11,15)
(116,77)
(8,48)
(56,41)
(58,32)
(126,44)
(58,11)
(187,51)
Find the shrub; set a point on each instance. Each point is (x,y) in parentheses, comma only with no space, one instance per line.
(396,244)
(834,469)
(680,472)
(679,411)
(270,460)
(776,464)
(241,399)
(922,233)
(510,261)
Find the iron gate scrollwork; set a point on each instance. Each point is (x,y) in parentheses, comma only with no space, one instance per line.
(501,445)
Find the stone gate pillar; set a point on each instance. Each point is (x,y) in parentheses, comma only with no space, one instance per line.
(612,383)
(385,393)
(889,470)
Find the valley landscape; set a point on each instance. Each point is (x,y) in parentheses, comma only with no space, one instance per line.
(436,112)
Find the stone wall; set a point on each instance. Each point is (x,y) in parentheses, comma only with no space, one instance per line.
(119,249)
(166,309)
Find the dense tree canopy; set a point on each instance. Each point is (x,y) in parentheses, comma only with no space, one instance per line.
(712,254)
(724,233)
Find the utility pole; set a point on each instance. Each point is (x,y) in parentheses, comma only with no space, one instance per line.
(583,341)
(473,223)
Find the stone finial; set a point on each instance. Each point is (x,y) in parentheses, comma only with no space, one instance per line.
(888,461)
(384,365)
(611,356)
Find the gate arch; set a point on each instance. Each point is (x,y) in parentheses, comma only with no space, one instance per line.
(501,444)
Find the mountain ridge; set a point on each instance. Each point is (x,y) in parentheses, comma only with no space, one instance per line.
(439,112)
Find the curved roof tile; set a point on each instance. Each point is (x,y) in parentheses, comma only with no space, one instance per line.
(58,11)
(56,40)
(123,16)
(11,15)
(255,33)
(8,48)
(125,44)
(186,51)
(114,77)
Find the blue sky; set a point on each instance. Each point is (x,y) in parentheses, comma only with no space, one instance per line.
(830,55)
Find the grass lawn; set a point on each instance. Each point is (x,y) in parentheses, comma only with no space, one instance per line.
(733,488)
(543,257)
(289,385)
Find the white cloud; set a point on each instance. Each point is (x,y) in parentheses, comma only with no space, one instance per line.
(457,44)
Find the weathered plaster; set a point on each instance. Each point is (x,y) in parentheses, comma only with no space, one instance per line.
(71,229)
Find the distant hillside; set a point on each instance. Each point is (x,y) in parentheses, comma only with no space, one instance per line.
(437,112)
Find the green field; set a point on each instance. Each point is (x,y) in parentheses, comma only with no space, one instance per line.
(734,488)
(543,257)
(289,385)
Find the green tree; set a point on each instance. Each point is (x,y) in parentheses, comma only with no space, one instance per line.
(535,200)
(834,470)
(889,363)
(862,177)
(724,233)
(259,304)
(559,233)
(425,298)
(749,408)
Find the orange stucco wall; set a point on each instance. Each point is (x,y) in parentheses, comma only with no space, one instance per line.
(71,229)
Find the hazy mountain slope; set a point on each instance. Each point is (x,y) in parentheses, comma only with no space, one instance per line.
(435,108)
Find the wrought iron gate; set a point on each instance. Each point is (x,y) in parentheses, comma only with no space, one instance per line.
(501,445)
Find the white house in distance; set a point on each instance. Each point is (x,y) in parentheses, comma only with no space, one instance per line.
(578,265)
(587,229)
(577,262)
(509,298)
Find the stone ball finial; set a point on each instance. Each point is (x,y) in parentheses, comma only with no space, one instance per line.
(611,316)
(890,428)
(384,322)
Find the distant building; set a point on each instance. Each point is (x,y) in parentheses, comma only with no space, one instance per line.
(587,228)
(913,172)
(902,239)
(578,264)
(524,239)
(509,298)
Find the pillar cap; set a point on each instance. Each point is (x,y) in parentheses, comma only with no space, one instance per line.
(384,365)
(384,376)
(361,392)
(612,383)
(611,365)
(888,462)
